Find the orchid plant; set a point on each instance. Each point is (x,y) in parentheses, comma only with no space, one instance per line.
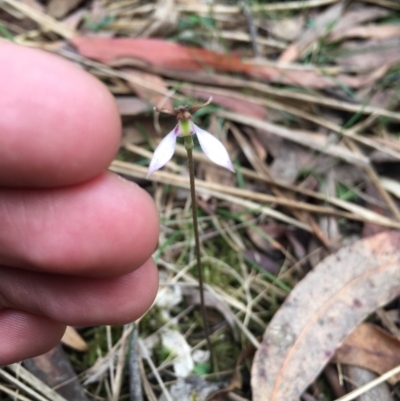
(211,146)
(215,151)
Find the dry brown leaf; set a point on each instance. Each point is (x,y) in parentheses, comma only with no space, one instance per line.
(258,148)
(237,103)
(286,28)
(372,348)
(321,311)
(322,25)
(34,4)
(263,260)
(60,8)
(336,384)
(157,53)
(73,339)
(54,369)
(390,142)
(388,322)
(153,97)
(370,54)
(181,61)
(370,31)
(315,141)
(387,98)
(270,242)
(73,20)
(354,16)
(131,106)
(163,21)
(369,228)
(341,21)
(289,161)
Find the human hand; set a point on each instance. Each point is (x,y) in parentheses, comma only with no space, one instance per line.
(75,241)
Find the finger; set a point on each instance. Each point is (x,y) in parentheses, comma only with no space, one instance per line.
(107,226)
(58,124)
(23,335)
(80,301)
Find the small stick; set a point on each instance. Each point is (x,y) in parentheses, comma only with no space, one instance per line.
(146,356)
(252,28)
(135,385)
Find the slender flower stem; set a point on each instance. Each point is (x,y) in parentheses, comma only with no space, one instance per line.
(189,150)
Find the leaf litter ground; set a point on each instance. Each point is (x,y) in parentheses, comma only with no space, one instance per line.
(312,125)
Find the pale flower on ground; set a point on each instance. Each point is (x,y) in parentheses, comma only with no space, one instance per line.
(211,146)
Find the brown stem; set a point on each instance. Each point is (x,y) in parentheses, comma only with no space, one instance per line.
(189,150)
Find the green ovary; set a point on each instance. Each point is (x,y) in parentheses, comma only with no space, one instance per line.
(184,126)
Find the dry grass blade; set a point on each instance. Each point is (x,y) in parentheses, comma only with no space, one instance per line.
(146,356)
(247,332)
(14,393)
(245,37)
(391,186)
(322,100)
(376,182)
(135,384)
(103,364)
(291,5)
(119,370)
(45,21)
(222,297)
(251,27)
(35,383)
(362,390)
(358,377)
(358,213)
(34,387)
(202,187)
(385,3)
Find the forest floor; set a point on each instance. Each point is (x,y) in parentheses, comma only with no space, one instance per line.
(306,98)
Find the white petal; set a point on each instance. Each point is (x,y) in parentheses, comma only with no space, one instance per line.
(163,153)
(213,148)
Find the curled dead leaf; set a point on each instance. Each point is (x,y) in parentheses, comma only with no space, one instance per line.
(73,339)
(321,311)
(372,348)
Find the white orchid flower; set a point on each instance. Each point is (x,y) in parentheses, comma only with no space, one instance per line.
(211,146)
